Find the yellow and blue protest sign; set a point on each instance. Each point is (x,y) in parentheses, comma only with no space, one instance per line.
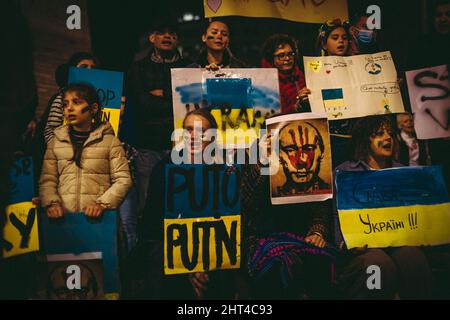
(109,86)
(77,234)
(311,11)
(202,226)
(20,233)
(231,105)
(393,207)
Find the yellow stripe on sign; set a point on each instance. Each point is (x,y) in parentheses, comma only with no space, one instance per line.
(20,216)
(110,115)
(113,117)
(396,226)
(202,244)
(334,103)
(237,127)
(315,11)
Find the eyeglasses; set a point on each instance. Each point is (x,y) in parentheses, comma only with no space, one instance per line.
(284,55)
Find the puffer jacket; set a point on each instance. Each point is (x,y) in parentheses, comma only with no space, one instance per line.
(104,176)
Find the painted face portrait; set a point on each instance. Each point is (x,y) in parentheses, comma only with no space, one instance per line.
(301,151)
(57,284)
(302,166)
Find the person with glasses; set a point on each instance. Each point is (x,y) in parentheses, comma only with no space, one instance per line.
(280,51)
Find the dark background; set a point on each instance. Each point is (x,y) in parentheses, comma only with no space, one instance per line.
(117,25)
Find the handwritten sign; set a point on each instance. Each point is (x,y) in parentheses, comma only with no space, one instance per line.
(240,99)
(202,218)
(109,85)
(356,86)
(429,93)
(21,230)
(20,233)
(312,11)
(77,234)
(72,277)
(393,207)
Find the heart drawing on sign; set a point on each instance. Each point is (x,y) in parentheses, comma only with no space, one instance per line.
(214,5)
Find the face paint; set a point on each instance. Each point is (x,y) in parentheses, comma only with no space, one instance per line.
(300,152)
(85,109)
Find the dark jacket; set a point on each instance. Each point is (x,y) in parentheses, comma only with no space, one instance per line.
(260,218)
(153,115)
(228,61)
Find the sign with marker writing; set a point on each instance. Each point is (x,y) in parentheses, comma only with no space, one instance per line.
(429,93)
(311,11)
(239,99)
(406,206)
(109,86)
(202,218)
(351,87)
(20,233)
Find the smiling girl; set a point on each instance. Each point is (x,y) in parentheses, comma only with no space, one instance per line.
(85,168)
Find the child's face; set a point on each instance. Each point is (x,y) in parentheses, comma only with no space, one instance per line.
(77,111)
(86,64)
(217,36)
(381,143)
(337,43)
(283,58)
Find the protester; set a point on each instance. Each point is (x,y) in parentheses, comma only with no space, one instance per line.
(217,53)
(405,272)
(280,51)
(412,152)
(54,116)
(85,169)
(146,261)
(150,92)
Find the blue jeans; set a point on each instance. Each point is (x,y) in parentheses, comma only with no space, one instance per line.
(145,162)
(129,216)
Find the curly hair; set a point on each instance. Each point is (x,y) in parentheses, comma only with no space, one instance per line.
(363,129)
(274,42)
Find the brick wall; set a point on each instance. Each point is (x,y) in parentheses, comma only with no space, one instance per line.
(53,43)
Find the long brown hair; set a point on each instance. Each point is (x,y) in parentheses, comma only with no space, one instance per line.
(89,94)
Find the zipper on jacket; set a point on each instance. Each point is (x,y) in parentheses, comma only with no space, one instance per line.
(78,194)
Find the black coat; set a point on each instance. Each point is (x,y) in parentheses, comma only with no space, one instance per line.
(153,115)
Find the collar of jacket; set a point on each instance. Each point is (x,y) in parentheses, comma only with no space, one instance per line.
(158,59)
(62,133)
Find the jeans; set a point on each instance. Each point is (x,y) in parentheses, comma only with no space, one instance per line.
(145,162)
(129,216)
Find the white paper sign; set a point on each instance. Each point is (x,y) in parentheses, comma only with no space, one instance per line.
(351,87)
(429,93)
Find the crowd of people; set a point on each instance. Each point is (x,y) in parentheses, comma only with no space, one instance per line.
(82,166)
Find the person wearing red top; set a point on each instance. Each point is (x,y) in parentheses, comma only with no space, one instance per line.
(280,51)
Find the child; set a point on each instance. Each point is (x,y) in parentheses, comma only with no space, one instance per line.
(85,168)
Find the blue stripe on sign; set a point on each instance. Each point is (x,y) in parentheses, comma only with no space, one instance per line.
(232,93)
(390,188)
(198,191)
(332,94)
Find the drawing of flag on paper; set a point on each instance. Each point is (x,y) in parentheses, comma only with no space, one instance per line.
(333,101)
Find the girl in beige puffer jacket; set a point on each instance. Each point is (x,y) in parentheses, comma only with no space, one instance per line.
(85,168)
